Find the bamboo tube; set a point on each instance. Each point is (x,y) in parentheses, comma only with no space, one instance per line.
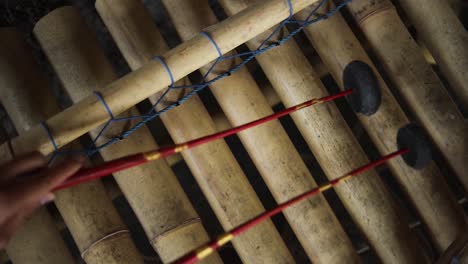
(170,222)
(415,80)
(446,38)
(140,84)
(335,148)
(86,209)
(27,245)
(426,188)
(269,146)
(217,172)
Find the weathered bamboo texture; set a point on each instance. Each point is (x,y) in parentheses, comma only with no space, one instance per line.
(273,153)
(415,80)
(217,172)
(426,188)
(335,148)
(170,222)
(213,165)
(152,78)
(446,38)
(94,223)
(27,245)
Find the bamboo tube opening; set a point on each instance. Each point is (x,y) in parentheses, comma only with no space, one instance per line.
(120,95)
(27,245)
(86,209)
(217,172)
(170,222)
(269,146)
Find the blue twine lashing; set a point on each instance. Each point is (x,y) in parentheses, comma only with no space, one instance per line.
(49,135)
(103,102)
(291,10)
(265,46)
(169,72)
(208,36)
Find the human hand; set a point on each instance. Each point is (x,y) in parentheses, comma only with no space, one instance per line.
(25,185)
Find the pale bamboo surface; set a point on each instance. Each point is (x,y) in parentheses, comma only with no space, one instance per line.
(170,222)
(415,80)
(426,188)
(269,146)
(217,172)
(27,245)
(443,33)
(138,85)
(336,149)
(86,209)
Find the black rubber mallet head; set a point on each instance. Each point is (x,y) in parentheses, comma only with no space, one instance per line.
(366,96)
(414,138)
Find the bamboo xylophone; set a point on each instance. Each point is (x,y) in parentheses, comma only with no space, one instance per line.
(368,31)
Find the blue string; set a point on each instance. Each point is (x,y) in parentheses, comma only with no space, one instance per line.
(212,42)
(266,45)
(101,98)
(291,10)
(49,135)
(169,72)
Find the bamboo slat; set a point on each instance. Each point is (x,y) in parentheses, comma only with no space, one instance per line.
(269,146)
(27,245)
(446,38)
(170,222)
(142,83)
(426,188)
(415,80)
(217,172)
(335,148)
(86,209)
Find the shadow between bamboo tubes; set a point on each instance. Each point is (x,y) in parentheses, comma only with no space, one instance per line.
(213,165)
(27,245)
(426,188)
(337,151)
(86,209)
(443,33)
(169,220)
(415,80)
(273,153)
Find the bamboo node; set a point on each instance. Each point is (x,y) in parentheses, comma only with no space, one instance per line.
(269,43)
(104,238)
(174,228)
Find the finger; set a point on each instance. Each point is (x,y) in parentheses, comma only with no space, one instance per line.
(35,189)
(21,165)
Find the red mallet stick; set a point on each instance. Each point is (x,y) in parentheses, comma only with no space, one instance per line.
(206,250)
(107,168)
